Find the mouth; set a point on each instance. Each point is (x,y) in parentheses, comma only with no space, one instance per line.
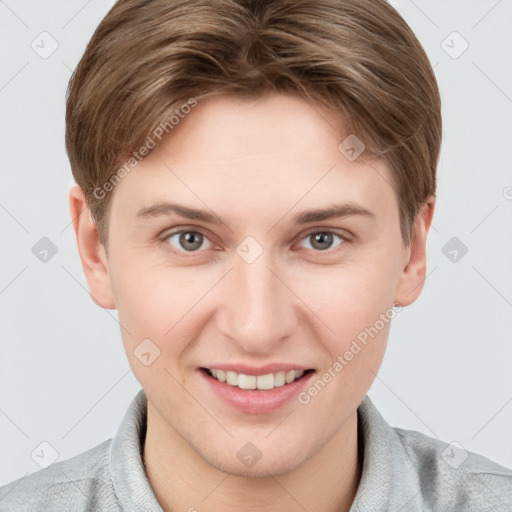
(265,382)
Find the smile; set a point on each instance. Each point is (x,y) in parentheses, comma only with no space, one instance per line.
(260,382)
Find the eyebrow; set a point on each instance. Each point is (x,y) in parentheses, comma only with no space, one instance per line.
(316,215)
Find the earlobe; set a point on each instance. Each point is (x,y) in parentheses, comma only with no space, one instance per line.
(92,253)
(412,277)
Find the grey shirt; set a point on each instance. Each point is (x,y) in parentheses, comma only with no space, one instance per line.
(403,470)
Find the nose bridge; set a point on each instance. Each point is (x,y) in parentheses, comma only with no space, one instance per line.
(258,310)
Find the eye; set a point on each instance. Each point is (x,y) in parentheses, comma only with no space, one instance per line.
(191,241)
(187,240)
(323,240)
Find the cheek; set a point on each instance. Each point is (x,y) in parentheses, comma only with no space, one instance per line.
(357,307)
(158,303)
(349,299)
(354,304)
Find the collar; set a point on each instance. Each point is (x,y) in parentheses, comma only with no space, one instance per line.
(389,479)
(129,478)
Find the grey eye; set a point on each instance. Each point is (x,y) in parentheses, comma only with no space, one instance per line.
(323,240)
(190,241)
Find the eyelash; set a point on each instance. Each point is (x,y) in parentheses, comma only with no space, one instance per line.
(344,239)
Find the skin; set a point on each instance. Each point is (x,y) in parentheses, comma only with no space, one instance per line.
(255,163)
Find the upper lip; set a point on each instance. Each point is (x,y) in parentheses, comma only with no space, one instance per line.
(248,369)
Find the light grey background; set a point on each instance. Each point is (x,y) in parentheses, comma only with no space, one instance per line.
(65,376)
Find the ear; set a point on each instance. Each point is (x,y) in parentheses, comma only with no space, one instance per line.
(92,253)
(412,277)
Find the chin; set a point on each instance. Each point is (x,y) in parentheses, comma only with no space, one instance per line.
(271,465)
(259,470)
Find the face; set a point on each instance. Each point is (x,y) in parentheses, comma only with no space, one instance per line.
(260,283)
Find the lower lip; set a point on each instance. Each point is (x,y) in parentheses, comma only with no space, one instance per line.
(257,401)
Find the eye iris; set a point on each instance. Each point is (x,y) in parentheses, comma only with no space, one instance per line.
(322,238)
(191,237)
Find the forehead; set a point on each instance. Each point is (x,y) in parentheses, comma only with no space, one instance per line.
(237,128)
(261,152)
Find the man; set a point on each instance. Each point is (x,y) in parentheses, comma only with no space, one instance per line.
(255,186)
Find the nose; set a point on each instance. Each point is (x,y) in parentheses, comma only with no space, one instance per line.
(258,311)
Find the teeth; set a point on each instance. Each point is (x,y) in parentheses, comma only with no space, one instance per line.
(268,381)
(264,381)
(246,381)
(279,379)
(232,378)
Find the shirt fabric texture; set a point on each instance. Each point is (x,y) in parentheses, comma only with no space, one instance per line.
(403,470)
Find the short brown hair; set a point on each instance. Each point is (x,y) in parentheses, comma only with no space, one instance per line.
(147,59)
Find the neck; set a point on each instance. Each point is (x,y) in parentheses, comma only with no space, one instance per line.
(182,480)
